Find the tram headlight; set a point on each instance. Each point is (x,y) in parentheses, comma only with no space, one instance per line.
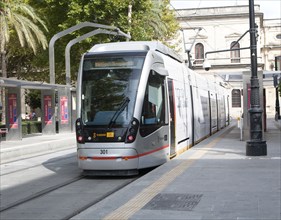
(130,138)
(80,139)
(79,131)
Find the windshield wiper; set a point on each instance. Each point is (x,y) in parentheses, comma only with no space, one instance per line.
(123,105)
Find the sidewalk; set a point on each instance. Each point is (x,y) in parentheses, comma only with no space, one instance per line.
(35,145)
(212,180)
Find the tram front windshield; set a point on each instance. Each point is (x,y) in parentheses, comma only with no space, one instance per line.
(109,87)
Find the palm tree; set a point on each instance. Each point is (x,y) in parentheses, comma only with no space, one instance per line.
(19,17)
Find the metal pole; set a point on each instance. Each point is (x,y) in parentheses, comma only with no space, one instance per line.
(191,46)
(277,105)
(130,18)
(256,146)
(68,31)
(226,50)
(76,40)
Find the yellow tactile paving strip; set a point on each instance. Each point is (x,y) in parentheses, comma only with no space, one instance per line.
(141,199)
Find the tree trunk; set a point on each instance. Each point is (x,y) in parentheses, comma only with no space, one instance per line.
(2,92)
(4,66)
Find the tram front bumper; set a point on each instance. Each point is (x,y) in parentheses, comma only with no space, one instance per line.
(107,159)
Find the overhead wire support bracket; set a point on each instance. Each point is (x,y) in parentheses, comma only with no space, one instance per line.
(236,42)
(192,44)
(68,31)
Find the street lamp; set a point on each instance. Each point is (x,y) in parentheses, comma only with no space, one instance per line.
(277,107)
(275,83)
(256,146)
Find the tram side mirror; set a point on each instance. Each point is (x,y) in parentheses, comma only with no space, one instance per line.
(161,70)
(206,65)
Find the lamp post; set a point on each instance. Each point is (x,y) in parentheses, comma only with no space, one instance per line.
(256,146)
(275,83)
(277,108)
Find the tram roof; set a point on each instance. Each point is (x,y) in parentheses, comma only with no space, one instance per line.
(135,46)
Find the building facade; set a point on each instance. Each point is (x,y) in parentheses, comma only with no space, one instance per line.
(221,34)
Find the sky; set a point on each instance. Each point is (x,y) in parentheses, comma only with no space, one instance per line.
(270,8)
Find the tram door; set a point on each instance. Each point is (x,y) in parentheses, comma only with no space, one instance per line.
(172,117)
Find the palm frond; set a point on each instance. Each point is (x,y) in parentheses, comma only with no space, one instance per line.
(18,28)
(34,30)
(5,36)
(27,9)
(18,16)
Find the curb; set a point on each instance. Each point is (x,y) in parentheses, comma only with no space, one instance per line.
(9,154)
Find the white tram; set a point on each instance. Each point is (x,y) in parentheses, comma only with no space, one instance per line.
(139,105)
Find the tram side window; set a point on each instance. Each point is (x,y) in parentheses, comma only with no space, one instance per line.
(153,110)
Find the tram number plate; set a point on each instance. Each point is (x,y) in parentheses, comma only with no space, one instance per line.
(104,151)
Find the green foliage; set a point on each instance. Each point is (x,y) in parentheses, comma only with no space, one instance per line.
(30,127)
(19,18)
(20,35)
(33,99)
(151,20)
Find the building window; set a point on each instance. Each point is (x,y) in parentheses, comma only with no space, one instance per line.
(236,98)
(199,53)
(278,63)
(278,36)
(235,54)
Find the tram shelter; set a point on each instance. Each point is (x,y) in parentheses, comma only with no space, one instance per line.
(65,93)
(63,114)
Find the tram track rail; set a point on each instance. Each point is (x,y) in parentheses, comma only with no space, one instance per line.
(85,207)
(34,155)
(33,166)
(40,193)
(67,192)
(34,199)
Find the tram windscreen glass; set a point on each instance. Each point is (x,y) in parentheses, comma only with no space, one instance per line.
(109,87)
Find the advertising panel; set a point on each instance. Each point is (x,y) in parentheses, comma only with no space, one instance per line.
(48,109)
(12,105)
(64,110)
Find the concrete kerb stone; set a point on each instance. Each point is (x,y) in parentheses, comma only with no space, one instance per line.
(15,150)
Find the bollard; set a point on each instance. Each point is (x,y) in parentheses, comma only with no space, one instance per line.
(241,129)
(240,125)
(3,131)
(238,122)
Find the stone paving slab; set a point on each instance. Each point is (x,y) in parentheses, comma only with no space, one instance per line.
(212,180)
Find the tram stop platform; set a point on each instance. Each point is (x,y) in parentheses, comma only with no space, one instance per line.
(213,180)
(34,145)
